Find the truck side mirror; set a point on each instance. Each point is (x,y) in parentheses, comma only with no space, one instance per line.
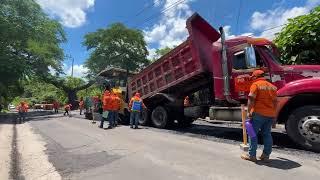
(250,56)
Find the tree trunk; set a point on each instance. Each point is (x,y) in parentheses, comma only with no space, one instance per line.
(72,98)
(127,75)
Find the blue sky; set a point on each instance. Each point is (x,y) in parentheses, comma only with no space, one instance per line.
(167,28)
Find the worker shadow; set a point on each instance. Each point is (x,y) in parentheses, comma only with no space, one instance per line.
(280,163)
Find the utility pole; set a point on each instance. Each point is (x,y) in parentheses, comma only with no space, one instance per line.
(72,67)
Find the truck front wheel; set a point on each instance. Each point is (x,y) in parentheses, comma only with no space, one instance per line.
(303,126)
(159,117)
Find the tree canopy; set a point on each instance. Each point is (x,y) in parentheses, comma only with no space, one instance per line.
(37,90)
(29,44)
(116,46)
(299,40)
(161,52)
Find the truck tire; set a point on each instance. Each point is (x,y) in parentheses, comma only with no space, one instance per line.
(303,127)
(144,120)
(123,119)
(159,117)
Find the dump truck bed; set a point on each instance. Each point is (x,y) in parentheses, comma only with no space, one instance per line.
(183,69)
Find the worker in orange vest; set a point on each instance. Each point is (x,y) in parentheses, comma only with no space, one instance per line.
(67,108)
(136,106)
(262,101)
(116,105)
(55,106)
(107,109)
(22,110)
(81,105)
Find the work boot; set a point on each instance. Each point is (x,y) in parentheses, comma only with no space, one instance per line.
(248,157)
(264,157)
(136,127)
(131,127)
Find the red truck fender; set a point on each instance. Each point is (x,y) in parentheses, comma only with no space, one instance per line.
(294,93)
(311,85)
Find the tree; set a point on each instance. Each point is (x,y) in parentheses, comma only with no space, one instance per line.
(29,44)
(160,53)
(37,91)
(299,41)
(70,85)
(116,46)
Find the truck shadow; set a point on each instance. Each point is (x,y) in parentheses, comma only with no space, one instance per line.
(232,135)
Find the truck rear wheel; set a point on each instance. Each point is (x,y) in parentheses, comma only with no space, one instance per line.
(303,126)
(159,117)
(144,120)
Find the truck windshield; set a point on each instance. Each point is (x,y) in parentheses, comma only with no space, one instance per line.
(272,56)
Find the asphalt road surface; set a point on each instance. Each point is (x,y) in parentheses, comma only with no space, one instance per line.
(57,147)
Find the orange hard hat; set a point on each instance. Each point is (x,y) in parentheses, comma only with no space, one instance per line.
(257,73)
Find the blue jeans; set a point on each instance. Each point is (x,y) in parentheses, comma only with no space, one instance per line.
(22,117)
(264,124)
(134,118)
(102,122)
(111,118)
(116,117)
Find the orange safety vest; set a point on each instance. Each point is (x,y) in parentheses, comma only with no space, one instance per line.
(116,102)
(81,103)
(264,94)
(67,107)
(107,101)
(22,108)
(138,101)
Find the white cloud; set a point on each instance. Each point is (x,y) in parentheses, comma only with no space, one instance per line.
(71,13)
(230,35)
(227,32)
(170,30)
(79,70)
(152,53)
(271,21)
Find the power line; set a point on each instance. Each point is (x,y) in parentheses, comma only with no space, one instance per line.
(274,27)
(158,14)
(148,6)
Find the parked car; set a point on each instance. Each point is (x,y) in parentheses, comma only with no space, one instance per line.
(11,107)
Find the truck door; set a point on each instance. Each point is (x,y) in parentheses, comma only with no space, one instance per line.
(244,62)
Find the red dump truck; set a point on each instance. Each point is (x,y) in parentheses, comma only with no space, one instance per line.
(214,73)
